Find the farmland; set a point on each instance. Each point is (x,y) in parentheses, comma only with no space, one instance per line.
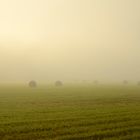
(70,112)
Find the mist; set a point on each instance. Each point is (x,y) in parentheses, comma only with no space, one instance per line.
(69,40)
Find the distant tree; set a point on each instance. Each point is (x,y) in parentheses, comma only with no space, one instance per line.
(96,82)
(58,83)
(84,81)
(125,82)
(32,84)
(138,83)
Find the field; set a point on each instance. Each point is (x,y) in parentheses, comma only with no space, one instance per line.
(82,112)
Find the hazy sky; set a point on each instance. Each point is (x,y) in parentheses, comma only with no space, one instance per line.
(48,40)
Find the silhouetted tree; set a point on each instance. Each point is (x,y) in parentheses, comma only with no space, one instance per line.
(32,84)
(125,82)
(58,83)
(96,82)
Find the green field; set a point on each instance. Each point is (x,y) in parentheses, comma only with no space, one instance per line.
(70,113)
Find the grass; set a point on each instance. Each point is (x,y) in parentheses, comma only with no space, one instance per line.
(70,113)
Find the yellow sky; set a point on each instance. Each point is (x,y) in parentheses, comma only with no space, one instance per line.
(69,39)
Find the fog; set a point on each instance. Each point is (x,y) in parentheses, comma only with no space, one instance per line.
(69,40)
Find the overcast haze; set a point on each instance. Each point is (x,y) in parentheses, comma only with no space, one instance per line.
(69,40)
